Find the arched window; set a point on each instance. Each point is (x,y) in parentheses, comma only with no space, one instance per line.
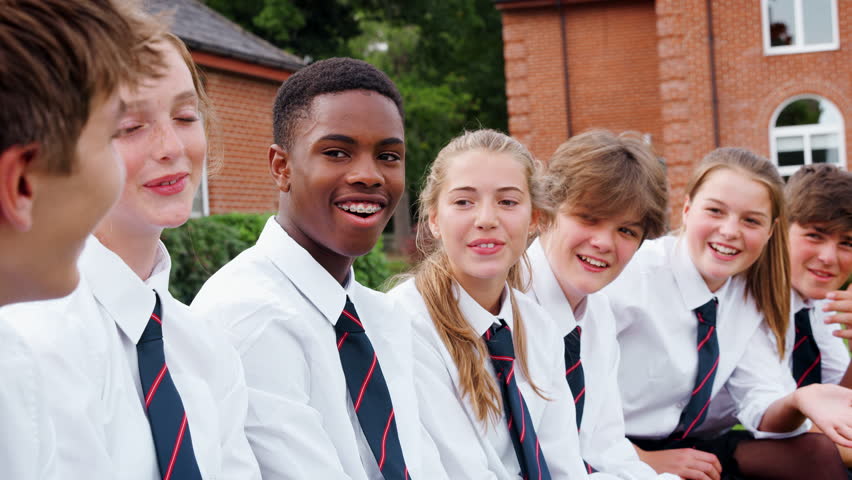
(805,130)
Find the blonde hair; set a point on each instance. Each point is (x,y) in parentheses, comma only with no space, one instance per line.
(609,174)
(768,278)
(434,278)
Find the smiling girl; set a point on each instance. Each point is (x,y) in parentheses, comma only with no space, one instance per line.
(478,370)
(705,310)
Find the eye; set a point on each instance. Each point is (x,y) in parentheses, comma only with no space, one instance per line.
(334,153)
(632,232)
(813,236)
(128,129)
(187,119)
(713,210)
(753,221)
(508,202)
(462,202)
(390,157)
(846,244)
(587,218)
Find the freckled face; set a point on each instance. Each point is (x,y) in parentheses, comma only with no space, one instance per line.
(726,225)
(820,261)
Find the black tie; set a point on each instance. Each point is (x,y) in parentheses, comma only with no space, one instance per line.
(574,371)
(708,359)
(498,339)
(369,393)
(807,358)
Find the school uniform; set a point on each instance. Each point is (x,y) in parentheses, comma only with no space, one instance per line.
(27,443)
(469,448)
(655,301)
(281,309)
(829,356)
(603,444)
(88,345)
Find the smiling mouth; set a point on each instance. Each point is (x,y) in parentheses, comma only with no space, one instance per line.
(593,262)
(723,249)
(361,209)
(822,275)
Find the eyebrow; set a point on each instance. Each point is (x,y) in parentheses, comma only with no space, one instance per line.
(180,97)
(749,212)
(336,137)
(473,189)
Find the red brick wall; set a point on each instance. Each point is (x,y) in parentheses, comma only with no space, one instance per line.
(612,65)
(243,107)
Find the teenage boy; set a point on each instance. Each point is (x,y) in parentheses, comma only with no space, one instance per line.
(327,361)
(61,62)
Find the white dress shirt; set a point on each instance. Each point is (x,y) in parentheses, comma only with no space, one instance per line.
(280,307)
(27,443)
(653,302)
(834,356)
(470,449)
(87,342)
(602,441)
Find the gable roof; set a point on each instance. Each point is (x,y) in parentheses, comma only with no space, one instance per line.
(205,30)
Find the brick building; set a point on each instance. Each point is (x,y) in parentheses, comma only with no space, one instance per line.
(773,76)
(242,73)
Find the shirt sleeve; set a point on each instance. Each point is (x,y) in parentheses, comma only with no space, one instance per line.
(759,380)
(835,355)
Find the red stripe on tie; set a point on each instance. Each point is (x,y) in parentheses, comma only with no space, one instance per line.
(538,458)
(573,367)
(523,417)
(696,419)
(342,339)
(800,342)
(155,385)
(707,337)
(385,440)
(510,375)
(176,450)
(366,381)
(505,359)
(579,395)
(155,317)
(406,473)
(352,317)
(804,375)
(710,372)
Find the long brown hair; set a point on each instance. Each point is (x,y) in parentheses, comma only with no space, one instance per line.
(768,278)
(434,278)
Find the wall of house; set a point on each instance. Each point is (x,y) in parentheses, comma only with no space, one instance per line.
(243,107)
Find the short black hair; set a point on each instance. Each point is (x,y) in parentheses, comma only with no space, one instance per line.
(339,74)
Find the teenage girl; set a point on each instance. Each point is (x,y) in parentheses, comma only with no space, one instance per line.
(601,219)
(699,311)
(494,398)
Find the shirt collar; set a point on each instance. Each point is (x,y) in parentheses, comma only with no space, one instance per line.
(693,288)
(479,318)
(117,288)
(308,276)
(546,289)
(798,302)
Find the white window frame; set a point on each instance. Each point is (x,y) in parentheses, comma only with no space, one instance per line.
(798,46)
(806,132)
(205,197)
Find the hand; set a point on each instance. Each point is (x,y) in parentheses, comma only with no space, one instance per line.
(687,463)
(840,302)
(830,408)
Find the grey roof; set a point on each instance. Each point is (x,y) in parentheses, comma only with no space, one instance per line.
(205,30)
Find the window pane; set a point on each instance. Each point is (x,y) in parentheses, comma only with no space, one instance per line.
(791,151)
(819,27)
(782,23)
(825,148)
(806,111)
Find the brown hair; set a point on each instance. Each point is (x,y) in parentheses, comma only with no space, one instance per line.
(768,278)
(58,57)
(820,194)
(609,174)
(434,278)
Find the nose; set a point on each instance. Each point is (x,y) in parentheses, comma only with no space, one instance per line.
(486,216)
(730,226)
(366,171)
(828,253)
(602,239)
(166,142)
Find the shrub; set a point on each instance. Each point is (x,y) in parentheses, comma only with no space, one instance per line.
(202,246)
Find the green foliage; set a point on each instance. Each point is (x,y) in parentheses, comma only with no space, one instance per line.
(202,246)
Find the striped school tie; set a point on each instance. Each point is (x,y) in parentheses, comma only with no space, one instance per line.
(807,359)
(574,371)
(708,360)
(369,393)
(166,415)
(498,339)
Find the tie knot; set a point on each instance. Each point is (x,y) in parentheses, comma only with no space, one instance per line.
(349,321)
(498,339)
(707,313)
(154,330)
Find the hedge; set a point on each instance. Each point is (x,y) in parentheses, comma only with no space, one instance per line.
(201,246)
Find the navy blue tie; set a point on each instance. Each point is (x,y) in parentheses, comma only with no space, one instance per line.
(498,338)
(369,393)
(166,415)
(807,359)
(574,371)
(708,360)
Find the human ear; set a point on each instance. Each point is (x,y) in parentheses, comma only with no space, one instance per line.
(686,206)
(433,225)
(279,167)
(17,186)
(536,215)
